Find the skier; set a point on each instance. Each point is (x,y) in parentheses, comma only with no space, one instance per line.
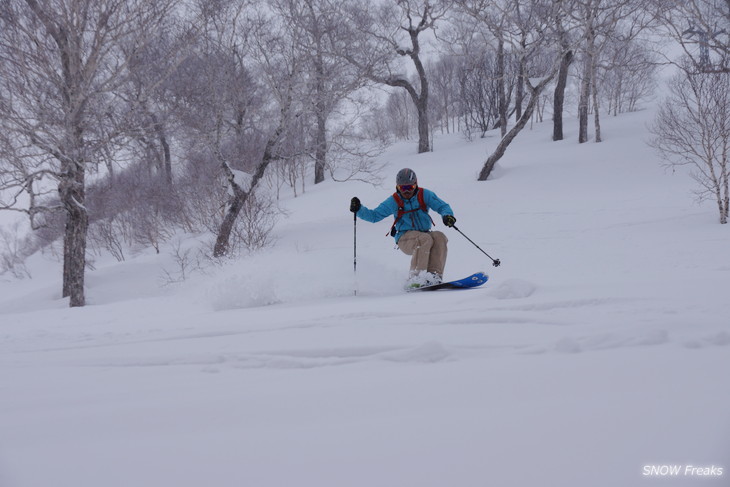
(412,227)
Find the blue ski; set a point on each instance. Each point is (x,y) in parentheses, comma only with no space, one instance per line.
(474,280)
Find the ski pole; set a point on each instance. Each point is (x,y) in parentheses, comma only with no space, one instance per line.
(354,248)
(495,262)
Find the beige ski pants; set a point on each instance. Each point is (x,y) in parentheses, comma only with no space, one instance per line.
(427,250)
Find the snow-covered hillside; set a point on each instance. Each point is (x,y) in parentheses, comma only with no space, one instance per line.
(601,345)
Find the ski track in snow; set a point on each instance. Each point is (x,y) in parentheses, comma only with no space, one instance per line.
(547,318)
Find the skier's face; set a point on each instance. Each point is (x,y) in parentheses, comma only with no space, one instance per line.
(407,190)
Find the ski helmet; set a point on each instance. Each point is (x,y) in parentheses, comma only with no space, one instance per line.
(406,176)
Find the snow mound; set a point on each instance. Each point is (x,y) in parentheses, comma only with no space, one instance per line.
(514,289)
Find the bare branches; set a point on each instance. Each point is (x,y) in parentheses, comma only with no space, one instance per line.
(701,28)
(501,148)
(692,128)
(381,46)
(60,62)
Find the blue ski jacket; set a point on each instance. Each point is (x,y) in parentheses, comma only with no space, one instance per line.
(415,220)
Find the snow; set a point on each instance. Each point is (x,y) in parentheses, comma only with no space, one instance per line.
(600,346)
(242,179)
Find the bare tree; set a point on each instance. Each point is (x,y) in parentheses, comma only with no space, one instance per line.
(532,37)
(395,118)
(563,38)
(599,22)
(445,88)
(628,75)
(14,248)
(148,96)
(317,32)
(386,34)
(493,17)
(224,114)
(535,91)
(522,20)
(60,64)
(481,90)
(275,59)
(701,28)
(692,128)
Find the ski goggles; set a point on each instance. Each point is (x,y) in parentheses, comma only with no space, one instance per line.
(407,187)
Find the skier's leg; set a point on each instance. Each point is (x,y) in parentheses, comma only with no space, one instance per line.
(437,256)
(418,246)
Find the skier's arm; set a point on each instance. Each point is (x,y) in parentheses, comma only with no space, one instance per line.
(385,209)
(437,204)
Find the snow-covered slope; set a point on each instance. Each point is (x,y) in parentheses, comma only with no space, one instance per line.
(599,347)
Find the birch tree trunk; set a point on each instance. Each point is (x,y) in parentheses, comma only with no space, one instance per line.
(514,131)
(502,83)
(241,195)
(559,95)
(520,89)
(72,190)
(596,106)
(321,114)
(424,144)
(585,96)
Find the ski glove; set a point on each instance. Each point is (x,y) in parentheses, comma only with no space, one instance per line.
(355,204)
(449,220)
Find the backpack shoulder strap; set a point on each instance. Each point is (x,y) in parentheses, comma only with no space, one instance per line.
(398,200)
(422,204)
(399,215)
(421,201)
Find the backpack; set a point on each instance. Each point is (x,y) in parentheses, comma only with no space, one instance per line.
(402,211)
